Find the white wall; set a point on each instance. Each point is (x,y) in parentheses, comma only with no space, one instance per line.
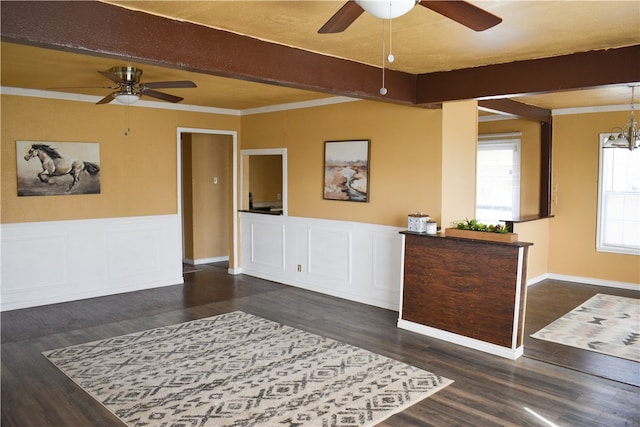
(356,261)
(51,262)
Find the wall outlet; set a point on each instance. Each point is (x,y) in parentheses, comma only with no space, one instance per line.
(215,179)
(299,268)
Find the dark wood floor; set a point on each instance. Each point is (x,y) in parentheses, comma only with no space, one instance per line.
(550,300)
(488,390)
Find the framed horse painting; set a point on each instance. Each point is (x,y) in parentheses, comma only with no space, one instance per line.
(57,168)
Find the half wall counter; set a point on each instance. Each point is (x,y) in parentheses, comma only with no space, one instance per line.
(465,291)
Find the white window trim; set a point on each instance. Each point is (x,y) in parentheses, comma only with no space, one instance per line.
(600,246)
(501,139)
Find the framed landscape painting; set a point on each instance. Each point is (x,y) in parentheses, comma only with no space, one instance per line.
(57,168)
(346,170)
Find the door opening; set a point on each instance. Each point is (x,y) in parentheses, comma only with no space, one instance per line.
(207,196)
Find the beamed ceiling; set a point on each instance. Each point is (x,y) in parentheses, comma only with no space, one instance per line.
(545,55)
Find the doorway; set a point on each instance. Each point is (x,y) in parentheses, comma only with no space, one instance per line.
(207,195)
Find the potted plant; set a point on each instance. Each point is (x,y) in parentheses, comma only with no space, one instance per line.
(473,229)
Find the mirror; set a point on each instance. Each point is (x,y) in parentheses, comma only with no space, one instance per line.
(264,181)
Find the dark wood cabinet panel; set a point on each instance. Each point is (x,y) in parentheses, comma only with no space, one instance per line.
(466,287)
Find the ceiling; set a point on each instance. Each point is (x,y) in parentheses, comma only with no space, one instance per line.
(422,42)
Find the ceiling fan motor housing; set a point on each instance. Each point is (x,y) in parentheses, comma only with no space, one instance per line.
(128,74)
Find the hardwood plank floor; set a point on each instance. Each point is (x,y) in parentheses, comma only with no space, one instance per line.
(488,390)
(550,300)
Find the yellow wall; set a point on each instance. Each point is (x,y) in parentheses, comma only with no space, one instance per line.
(459,153)
(572,238)
(211,156)
(536,232)
(405,157)
(529,159)
(406,175)
(139,170)
(138,175)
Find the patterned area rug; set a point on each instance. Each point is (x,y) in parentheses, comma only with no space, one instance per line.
(604,324)
(237,369)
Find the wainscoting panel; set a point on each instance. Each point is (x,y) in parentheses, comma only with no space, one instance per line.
(386,248)
(51,262)
(267,245)
(329,253)
(133,253)
(43,266)
(351,260)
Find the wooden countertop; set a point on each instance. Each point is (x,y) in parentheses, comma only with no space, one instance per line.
(439,235)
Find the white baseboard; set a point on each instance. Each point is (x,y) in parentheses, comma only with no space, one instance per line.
(537,279)
(585,280)
(496,350)
(201,261)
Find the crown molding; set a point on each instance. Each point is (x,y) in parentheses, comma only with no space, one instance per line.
(64,96)
(299,105)
(596,109)
(562,112)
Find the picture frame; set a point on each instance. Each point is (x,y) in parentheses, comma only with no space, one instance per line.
(346,170)
(47,168)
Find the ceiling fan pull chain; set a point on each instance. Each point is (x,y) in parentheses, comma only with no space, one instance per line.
(390,57)
(383,90)
(126,114)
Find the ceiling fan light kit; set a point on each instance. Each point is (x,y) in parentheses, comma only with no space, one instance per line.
(462,12)
(387,9)
(127,98)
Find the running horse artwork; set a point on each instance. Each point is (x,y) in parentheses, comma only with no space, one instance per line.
(55,165)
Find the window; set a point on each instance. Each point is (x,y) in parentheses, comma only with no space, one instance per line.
(618,227)
(498,178)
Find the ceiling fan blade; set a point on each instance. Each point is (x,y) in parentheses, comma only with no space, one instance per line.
(161,95)
(464,13)
(164,85)
(341,20)
(107,99)
(113,77)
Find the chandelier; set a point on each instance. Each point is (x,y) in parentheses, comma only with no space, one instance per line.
(627,136)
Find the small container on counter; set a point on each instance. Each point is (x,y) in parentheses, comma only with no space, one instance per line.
(418,222)
(432,227)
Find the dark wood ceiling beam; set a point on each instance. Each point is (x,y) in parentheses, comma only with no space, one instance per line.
(105,30)
(101,29)
(516,109)
(559,73)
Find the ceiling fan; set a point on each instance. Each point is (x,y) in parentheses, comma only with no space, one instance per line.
(129,89)
(460,11)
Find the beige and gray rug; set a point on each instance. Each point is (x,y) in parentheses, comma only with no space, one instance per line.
(237,369)
(605,324)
